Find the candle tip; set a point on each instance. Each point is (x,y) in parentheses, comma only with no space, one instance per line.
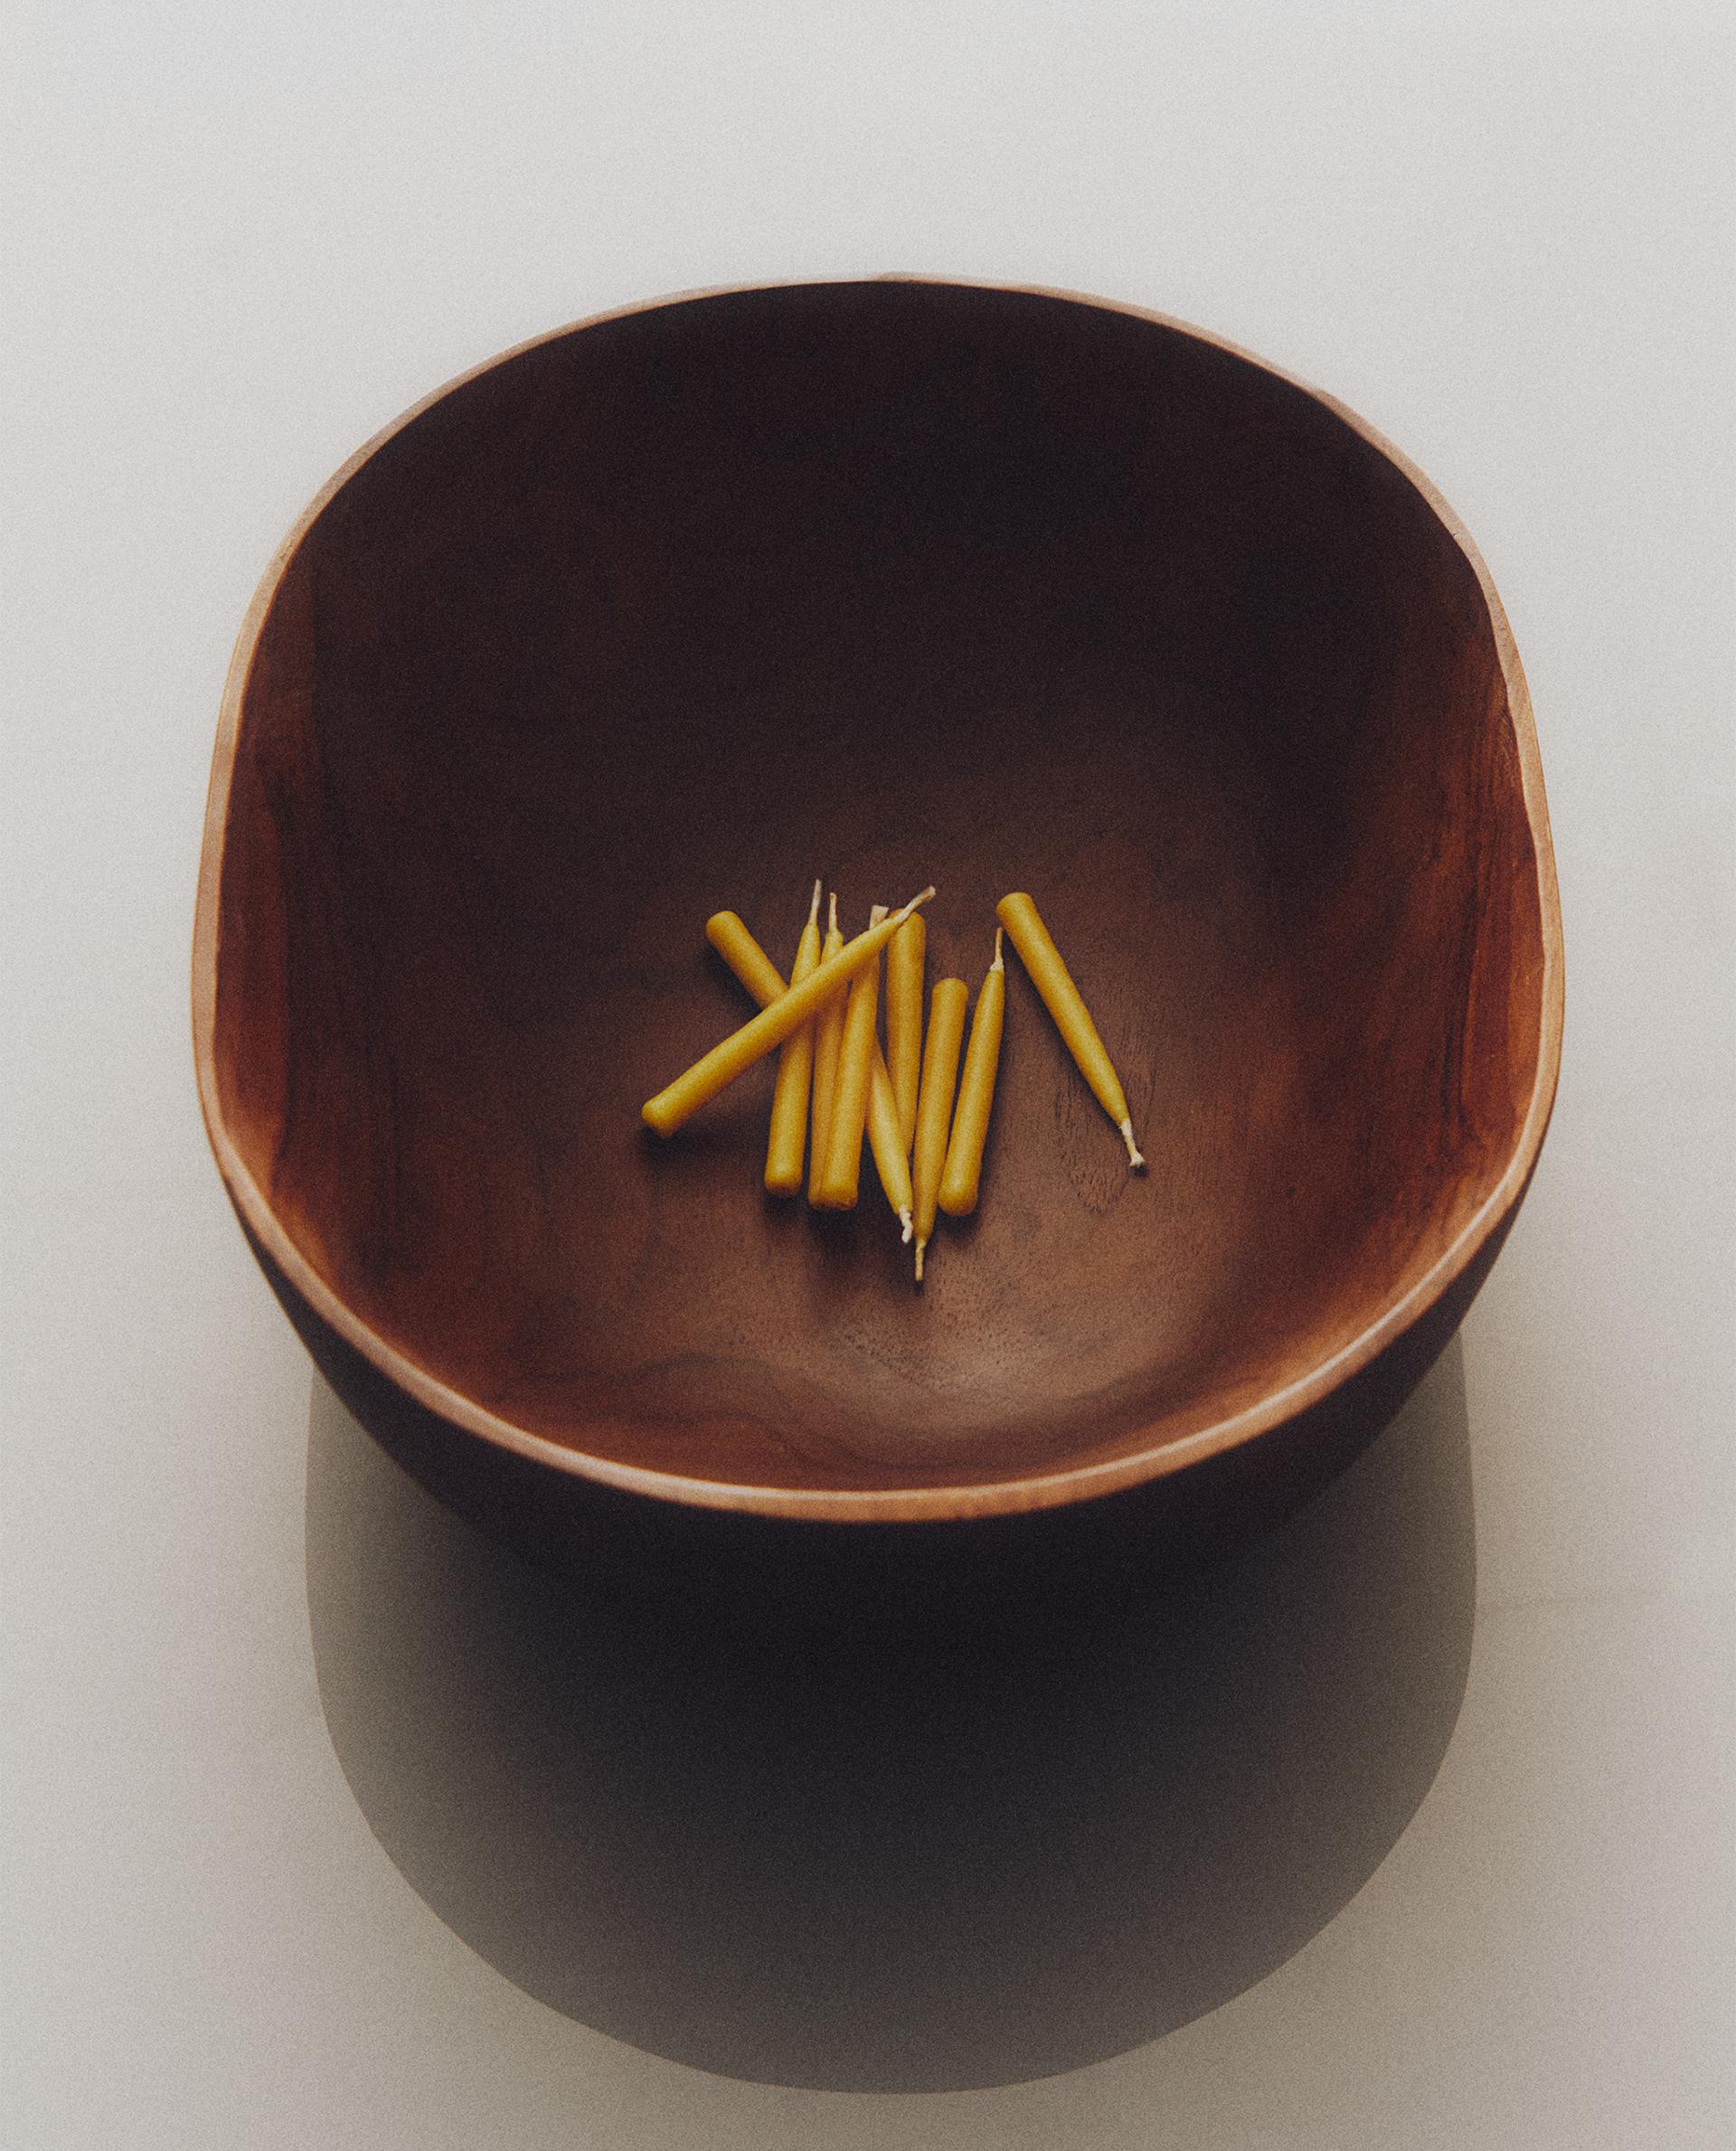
(904,1218)
(876,913)
(1135,1157)
(921,1245)
(997,964)
(814,909)
(915,903)
(832,918)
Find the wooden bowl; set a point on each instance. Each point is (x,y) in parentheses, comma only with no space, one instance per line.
(889,581)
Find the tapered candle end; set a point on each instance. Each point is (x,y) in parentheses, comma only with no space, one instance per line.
(921,1246)
(832,916)
(904,910)
(905,1220)
(814,909)
(1135,1157)
(997,964)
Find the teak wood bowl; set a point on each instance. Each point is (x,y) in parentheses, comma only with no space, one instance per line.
(886,581)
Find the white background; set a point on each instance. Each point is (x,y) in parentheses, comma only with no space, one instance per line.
(239,238)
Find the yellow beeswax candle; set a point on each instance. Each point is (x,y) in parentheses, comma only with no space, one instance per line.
(828,1035)
(1051,978)
(713,1071)
(841,1172)
(947,1008)
(763,980)
(905,956)
(963,1175)
(886,1141)
(787,1135)
(728,934)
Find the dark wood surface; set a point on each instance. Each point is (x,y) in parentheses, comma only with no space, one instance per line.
(887,582)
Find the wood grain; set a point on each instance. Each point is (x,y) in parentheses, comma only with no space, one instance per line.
(887,582)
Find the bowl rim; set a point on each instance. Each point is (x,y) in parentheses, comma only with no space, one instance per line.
(1020,1491)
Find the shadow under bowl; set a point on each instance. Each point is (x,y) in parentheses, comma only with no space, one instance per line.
(892,583)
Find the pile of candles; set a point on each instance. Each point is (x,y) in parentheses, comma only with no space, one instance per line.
(836,1085)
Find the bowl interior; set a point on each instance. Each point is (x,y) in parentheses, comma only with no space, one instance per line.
(885,582)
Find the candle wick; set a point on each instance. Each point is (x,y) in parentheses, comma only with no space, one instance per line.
(832,919)
(905,911)
(876,914)
(904,1219)
(1135,1157)
(814,909)
(921,1245)
(997,964)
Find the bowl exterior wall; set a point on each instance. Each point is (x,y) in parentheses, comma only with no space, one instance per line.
(791,1581)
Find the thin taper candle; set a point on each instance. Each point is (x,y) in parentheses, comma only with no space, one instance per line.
(1049,974)
(712,1072)
(828,1035)
(962,1179)
(728,934)
(841,1176)
(947,1008)
(787,1135)
(765,981)
(886,1141)
(906,953)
